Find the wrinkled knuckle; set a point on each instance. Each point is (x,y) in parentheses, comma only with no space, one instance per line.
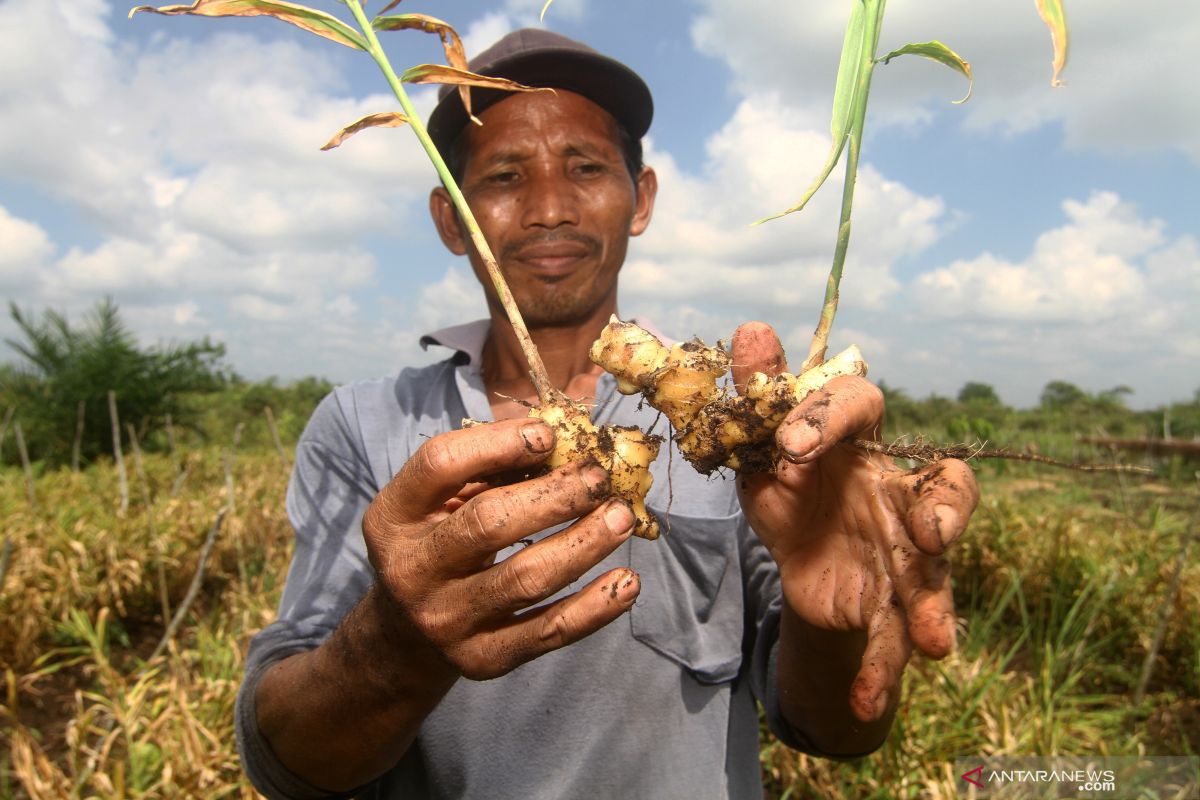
(486,515)
(554,631)
(432,623)
(431,459)
(477,664)
(531,581)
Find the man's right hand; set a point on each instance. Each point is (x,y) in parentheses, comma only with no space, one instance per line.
(434,531)
(441,606)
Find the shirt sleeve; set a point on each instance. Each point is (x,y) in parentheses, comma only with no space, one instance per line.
(330,488)
(764,604)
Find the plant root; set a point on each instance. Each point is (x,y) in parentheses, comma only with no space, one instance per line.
(929,453)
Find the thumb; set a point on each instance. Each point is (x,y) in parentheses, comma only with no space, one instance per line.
(756,348)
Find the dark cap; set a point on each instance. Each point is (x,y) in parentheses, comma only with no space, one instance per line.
(537,57)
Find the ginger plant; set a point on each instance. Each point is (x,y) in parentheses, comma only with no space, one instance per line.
(625,452)
(712,427)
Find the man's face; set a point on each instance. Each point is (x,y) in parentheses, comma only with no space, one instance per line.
(546,179)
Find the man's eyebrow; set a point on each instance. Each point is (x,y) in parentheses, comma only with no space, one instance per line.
(585,149)
(591,150)
(509,156)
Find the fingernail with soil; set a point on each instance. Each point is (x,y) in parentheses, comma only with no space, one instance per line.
(619,518)
(798,441)
(628,586)
(537,436)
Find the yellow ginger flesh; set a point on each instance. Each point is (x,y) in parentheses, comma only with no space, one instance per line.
(713,428)
(625,452)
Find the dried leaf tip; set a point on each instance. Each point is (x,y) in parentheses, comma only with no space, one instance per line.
(309,19)
(387,119)
(1055,17)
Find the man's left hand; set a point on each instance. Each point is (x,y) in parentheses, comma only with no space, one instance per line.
(858,541)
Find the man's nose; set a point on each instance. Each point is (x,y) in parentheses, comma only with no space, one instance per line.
(550,200)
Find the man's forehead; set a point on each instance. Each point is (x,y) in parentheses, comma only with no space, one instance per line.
(517,122)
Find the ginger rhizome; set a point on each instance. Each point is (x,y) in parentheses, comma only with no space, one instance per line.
(713,427)
(626,452)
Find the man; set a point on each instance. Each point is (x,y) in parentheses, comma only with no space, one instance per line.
(442,634)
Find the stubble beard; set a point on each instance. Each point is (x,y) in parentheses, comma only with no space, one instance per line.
(550,304)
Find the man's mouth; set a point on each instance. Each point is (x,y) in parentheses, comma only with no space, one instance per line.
(553,259)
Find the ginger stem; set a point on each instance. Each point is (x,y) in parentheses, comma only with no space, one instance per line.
(537,370)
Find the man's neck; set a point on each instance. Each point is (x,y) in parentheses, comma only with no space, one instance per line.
(564,352)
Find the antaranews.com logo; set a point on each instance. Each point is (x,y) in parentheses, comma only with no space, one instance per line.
(1110,778)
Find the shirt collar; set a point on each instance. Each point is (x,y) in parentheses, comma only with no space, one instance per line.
(469,338)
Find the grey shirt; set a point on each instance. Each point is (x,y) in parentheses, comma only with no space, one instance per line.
(658,704)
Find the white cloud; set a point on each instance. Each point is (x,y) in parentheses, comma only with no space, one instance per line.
(24,247)
(796,342)
(191,167)
(701,252)
(342,306)
(261,309)
(220,135)
(456,298)
(168,321)
(1126,78)
(1106,298)
(485,31)
(1084,271)
(196,162)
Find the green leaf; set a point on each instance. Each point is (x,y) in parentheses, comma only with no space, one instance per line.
(849,71)
(940,53)
(1055,17)
(309,19)
(387,119)
(848,80)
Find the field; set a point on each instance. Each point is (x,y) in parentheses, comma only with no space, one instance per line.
(1065,582)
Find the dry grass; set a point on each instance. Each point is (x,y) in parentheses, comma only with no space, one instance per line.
(1058,594)
(1059,585)
(84,713)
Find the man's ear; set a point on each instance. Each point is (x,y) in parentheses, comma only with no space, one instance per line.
(445,218)
(646,187)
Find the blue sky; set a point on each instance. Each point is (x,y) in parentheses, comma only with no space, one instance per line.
(1029,235)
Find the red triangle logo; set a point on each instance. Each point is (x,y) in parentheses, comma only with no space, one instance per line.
(978,772)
